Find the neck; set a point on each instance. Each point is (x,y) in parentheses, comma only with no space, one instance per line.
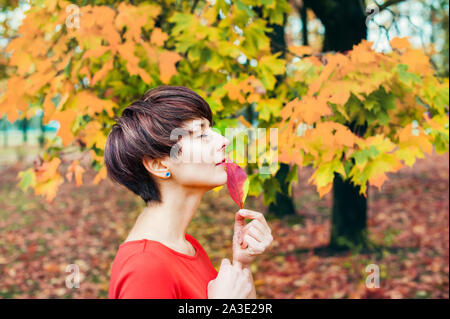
(169,220)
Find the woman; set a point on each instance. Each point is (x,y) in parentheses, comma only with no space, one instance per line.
(164,149)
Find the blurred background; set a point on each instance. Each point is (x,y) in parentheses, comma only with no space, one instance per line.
(407,218)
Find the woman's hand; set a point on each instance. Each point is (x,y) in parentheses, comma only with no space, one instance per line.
(252,239)
(231,282)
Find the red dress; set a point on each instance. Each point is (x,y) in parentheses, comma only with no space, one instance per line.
(149,269)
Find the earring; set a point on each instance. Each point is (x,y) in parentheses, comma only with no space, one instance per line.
(167,174)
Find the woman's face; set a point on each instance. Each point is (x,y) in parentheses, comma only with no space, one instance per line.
(202,148)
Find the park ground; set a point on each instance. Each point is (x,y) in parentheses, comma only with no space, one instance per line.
(408,217)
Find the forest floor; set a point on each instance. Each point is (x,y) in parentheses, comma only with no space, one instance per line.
(408,217)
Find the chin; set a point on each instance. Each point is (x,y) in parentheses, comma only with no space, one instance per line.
(220,183)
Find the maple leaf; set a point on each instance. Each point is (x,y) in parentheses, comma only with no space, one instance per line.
(158,37)
(47,170)
(234,91)
(65,119)
(102,72)
(75,169)
(301,50)
(49,188)
(400,43)
(237,182)
(166,62)
(100,175)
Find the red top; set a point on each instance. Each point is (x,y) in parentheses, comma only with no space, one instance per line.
(147,269)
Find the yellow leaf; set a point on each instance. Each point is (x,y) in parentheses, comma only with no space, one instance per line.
(77,170)
(102,72)
(310,109)
(253,98)
(65,119)
(95,53)
(47,170)
(400,43)
(100,175)
(88,102)
(300,50)
(324,190)
(126,51)
(144,76)
(158,37)
(378,180)
(362,53)
(340,97)
(417,62)
(167,61)
(234,91)
(49,188)
(14,98)
(94,135)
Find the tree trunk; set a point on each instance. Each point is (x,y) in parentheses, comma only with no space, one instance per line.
(349,218)
(25,130)
(344,22)
(41,138)
(284,205)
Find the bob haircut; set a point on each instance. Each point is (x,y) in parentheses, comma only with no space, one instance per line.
(144,129)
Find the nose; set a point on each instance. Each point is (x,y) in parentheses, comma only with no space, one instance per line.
(225,143)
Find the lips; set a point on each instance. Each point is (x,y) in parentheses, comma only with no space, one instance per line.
(222,162)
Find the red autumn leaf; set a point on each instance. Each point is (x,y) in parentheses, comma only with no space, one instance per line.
(237,182)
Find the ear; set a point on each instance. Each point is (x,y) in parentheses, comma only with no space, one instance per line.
(154,166)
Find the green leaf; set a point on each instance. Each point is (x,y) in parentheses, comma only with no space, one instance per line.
(256,39)
(272,187)
(27,179)
(347,167)
(369,104)
(383,117)
(255,185)
(406,77)
(269,107)
(292,177)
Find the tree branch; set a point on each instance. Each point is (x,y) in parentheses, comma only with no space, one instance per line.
(193,6)
(388,4)
(304,17)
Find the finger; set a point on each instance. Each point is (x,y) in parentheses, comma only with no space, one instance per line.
(261,231)
(256,233)
(236,267)
(253,243)
(254,215)
(239,218)
(258,225)
(225,262)
(239,223)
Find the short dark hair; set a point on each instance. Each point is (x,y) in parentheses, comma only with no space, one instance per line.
(144,129)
